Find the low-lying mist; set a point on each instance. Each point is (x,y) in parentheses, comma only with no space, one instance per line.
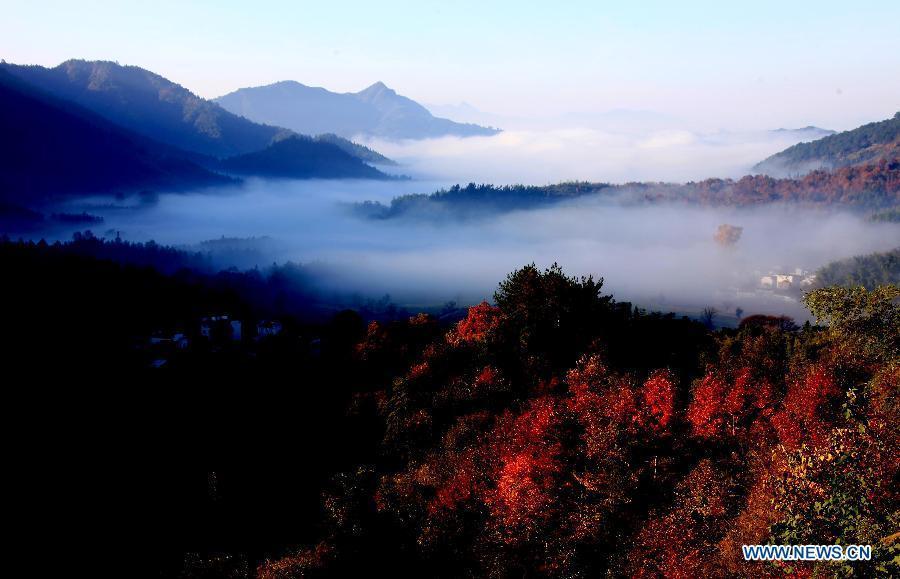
(661,257)
(544,156)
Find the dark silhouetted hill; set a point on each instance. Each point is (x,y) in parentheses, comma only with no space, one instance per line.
(160,109)
(376,111)
(151,105)
(301,157)
(53,148)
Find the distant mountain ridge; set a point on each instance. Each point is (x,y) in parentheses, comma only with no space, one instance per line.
(197,130)
(808,133)
(149,104)
(865,144)
(376,111)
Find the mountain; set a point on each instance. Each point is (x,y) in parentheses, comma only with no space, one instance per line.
(151,105)
(55,148)
(808,133)
(301,157)
(148,104)
(156,107)
(376,111)
(865,144)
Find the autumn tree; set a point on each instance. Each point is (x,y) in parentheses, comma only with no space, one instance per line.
(866,323)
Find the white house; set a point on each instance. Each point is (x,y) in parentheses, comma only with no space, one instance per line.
(784,281)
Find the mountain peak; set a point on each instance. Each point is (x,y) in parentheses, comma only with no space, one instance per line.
(82,63)
(377,88)
(288,83)
(149,104)
(110,75)
(377,110)
(75,65)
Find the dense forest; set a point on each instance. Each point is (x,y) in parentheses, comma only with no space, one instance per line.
(474,200)
(869,271)
(300,291)
(557,432)
(562,434)
(108,434)
(863,144)
(876,185)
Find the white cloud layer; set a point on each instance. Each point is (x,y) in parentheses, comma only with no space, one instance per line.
(542,156)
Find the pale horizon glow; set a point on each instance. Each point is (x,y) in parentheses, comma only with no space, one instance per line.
(747,66)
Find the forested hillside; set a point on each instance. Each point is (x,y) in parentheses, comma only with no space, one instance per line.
(866,270)
(873,186)
(556,433)
(562,434)
(865,144)
(56,149)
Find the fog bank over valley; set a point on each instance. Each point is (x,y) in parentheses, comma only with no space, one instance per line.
(540,155)
(658,256)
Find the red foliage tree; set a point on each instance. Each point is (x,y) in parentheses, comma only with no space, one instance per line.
(718,410)
(658,394)
(802,417)
(478,324)
(706,413)
(527,463)
(680,543)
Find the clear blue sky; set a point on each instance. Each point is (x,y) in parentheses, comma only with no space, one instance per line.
(753,64)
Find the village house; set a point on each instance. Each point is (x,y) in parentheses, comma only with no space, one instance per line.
(784,281)
(787,281)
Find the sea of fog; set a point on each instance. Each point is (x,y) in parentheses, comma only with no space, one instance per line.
(661,257)
(549,155)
